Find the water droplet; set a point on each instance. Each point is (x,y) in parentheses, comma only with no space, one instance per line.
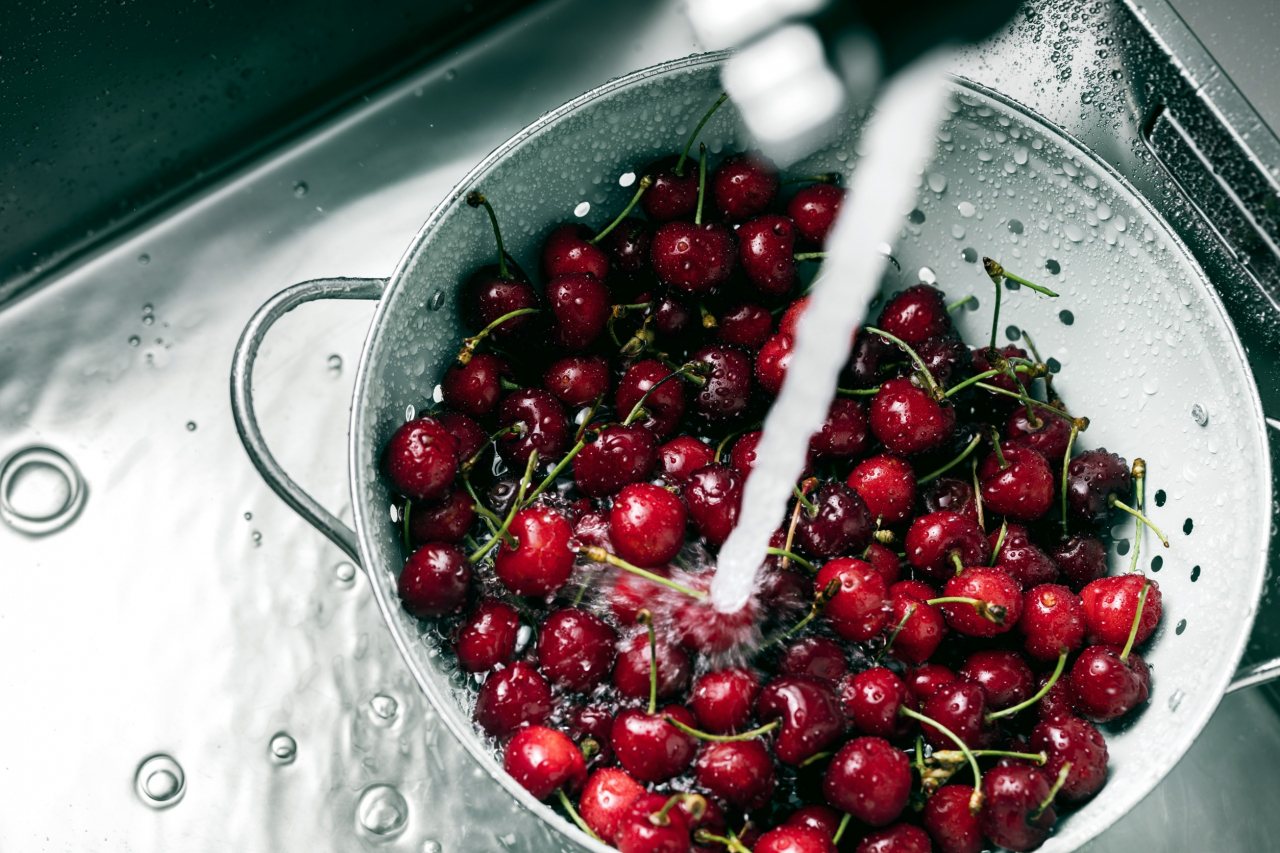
(1195,574)
(300,189)
(1157,563)
(1187,527)
(41,491)
(927,275)
(957,231)
(382,810)
(436,300)
(1015,226)
(191,426)
(1053,266)
(1199,414)
(160,782)
(431,846)
(582,209)
(410,413)
(1182,626)
(1073,231)
(1013,333)
(916,216)
(335,365)
(1103,211)
(966,209)
(284,749)
(345,572)
(248,516)
(451,75)
(627,179)
(384,706)
(970,255)
(1176,699)
(1066,317)
(134,340)
(148,319)
(1150,385)
(144,259)
(1020,156)
(937,182)
(257,539)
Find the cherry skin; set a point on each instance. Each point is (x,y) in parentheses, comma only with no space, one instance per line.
(1059,701)
(540,424)
(421,459)
(608,794)
(790,320)
(701,628)
(681,456)
(622,454)
(648,524)
(766,246)
(899,838)
(1110,605)
(1082,559)
(810,714)
(869,779)
(790,838)
(672,318)
(1013,794)
(746,325)
(925,679)
(841,524)
(742,456)
(961,706)
(1105,687)
(922,632)
(869,352)
(650,748)
(1092,478)
(512,697)
(542,559)
(694,258)
(1020,557)
(595,722)
(916,314)
(641,831)
(727,390)
(949,822)
(822,818)
(476,387)
(714,495)
(885,561)
(998,403)
(872,699)
(887,485)
(738,773)
(1022,489)
(631,672)
(575,649)
(579,308)
(907,420)
(743,185)
(632,593)
(1050,437)
(722,700)
(861,607)
(435,581)
(445,520)
(1052,619)
(488,637)
(953,495)
(814,209)
(663,408)
(489,297)
(628,245)
(577,380)
(820,657)
(996,588)
(844,434)
(569,250)
(1003,674)
(544,761)
(932,538)
(772,362)
(948,359)
(1066,738)
(592,529)
(468,434)
(672,196)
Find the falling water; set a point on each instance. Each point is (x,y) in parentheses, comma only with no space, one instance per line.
(896,144)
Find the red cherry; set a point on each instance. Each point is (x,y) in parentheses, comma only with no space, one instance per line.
(620,455)
(814,209)
(580,309)
(844,434)
(641,830)
(925,679)
(592,529)
(961,706)
(869,779)
(681,456)
(663,408)
(577,380)
(992,586)
(791,317)
(841,524)
(1013,794)
(953,828)
(1110,605)
(872,699)
(694,258)
(475,387)
(445,520)
(947,358)
(953,495)
(1092,478)
(747,325)
(631,672)
(544,761)
(575,649)
(822,818)
(703,629)
(810,714)
(887,485)
(1106,687)
(916,314)
(435,581)
(1003,674)
(860,609)
(1052,619)
(542,559)
(650,748)
(727,390)
(1020,557)
(511,698)
(595,722)
(1067,738)
(790,838)
(628,245)
(1059,701)
(540,424)
(1050,437)
(648,524)
(742,456)
(722,700)
(608,794)
(907,420)
(714,495)
(993,403)
(672,318)
(933,538)
(672,196)
(1022,489)
(632,593)
(772,362)
(923,630)
(738,773)
(489,297)
(743,185)
(899,838)
(569,249)
(766,246)
(1082,559)
(488,637)
(820,657)
(469,435)
(421,460)
(867,354)
(884,561)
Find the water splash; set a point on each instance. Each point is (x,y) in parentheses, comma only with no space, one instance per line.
(896,144)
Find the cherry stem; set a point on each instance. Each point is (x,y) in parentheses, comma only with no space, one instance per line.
(491,518)
(995,552)
(997,273)
(645,618)
(988,374)
(724,442)
(476,200)
(991,612)
(957,562)
(893,635)
(586,420)
(492,441)
(638,342)
(932,384)
(408,505)
(809,256)
(702,182)
(1111,501)
(795,518)
(1066,463)
(815,758)
(686,371)
(953,463)
(600,555)
(954,305)
(701,735)
(1137,620)
(556,471)
(1053,792)
(823,178)
(1040,694)
(995,445)
(696,803)
(515,507)
(1139,477)
(808,504)
(469,344)
(859,392)
(733,845)
(844,824)
(977,493)
(783,552)
(708,319)
(678,169)
(951,756)
(968,753)
(819,604)
(573,813)
(645,183)
(1026,400)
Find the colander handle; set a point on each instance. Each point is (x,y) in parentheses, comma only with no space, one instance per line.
(242,397)
(1252,676)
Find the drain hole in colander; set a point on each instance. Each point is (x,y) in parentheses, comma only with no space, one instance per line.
(1195,574)
(1053,266)
(1160,498)
(1186,526)
(1157,563)
(1182,626)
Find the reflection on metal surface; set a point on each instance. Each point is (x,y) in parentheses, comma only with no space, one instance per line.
(160,781)
(41,491)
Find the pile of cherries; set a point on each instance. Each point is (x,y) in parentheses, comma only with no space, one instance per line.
(934,635)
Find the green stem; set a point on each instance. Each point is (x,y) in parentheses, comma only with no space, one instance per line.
(1137,620)
(859,392)
(954,462)
(893,635)
(844,824)
(994,272)
(685,370)
(573,813)
(556,471)
(1111,501)
(1139,476)
(1066,463)
(991,612)
(490,442)
(1022,281)
(1004,531)
(1040,694)
(973,380)
(645,183)
(476,200)
(1053,792)
(977,492)
(706,836)
(782,552)
(469,344)
(995,445)
(815,758)
(809,256)
(954,305)
(956,561)
(1023,398)
(678,169)
(819,603)
(934,388)
(948,755)
(600,555)
(645,618)
(515,507)
(968,754)
(701,735)
(702,182)
(808,504)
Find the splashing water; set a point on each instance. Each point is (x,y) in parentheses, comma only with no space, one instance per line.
(897,144)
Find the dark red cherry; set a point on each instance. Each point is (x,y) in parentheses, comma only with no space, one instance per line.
(1092,478)
(476,387)
(631,593)
(568,249)
(641,830)
(468,434)
(490,297)
(595,722)
(628,245)
(672,318)
(766,246)
(540,424)
(1050,437)
(925,679)
(1022,489)
(844,434)
(922,631)
(488,637)
(722,700)
(784,592)
(822,818)
(542,559)
(708,631)
(887,485)
(1082,559)
(650,748)
(772,362)
(947,358)
(1072,739)
(907,420)
(860,609)
(916,314)
(1003,674)
(1111,604)
(435,581)
(841,524)
(996,589)
(872,699)
(953,495)
(663,408)
(899,838)
(592,529)
(1022,558)
(672,196)
(648,525)
(445,520)
(544,761)
(681,456)
(631,672)
(421,459)
(620,455)
(577,380)
(575,649)
(742,456)
(746,325)
(714,495)
(885,561)
(933,538)
(953,828)
(606,797)
(1052,619)
(814,209)
(1000,402)
(1059,701)
(810,714)
(738,773)
(1106,687)
(512,697)
(869,779)
(869,352)
(743,185)
(961,706)
(790,838)
(820,657)
(1013,794)
(790,320)
(727,390)
(694,258)
(580,310)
